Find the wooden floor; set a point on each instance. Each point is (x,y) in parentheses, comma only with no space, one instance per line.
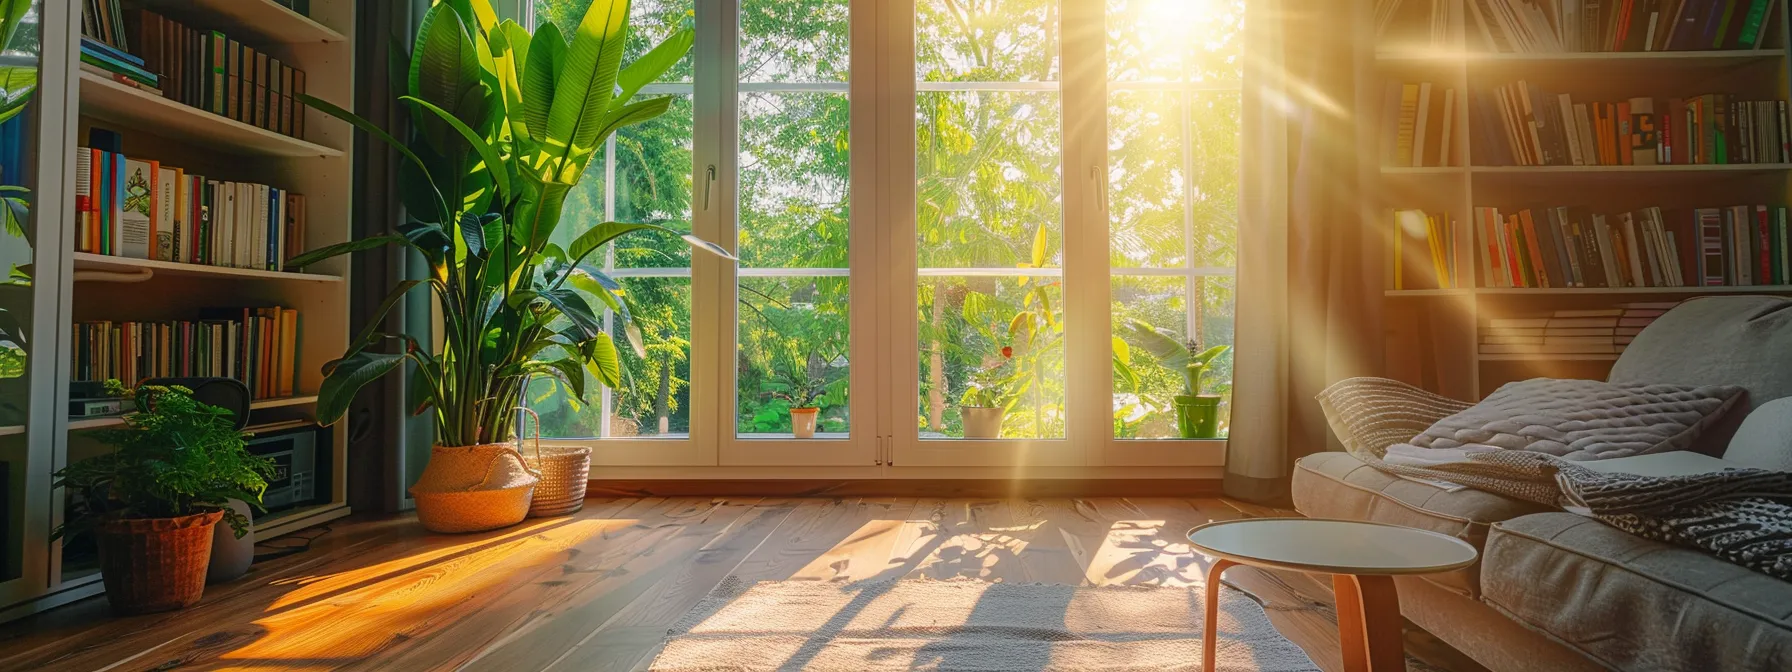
(597,590)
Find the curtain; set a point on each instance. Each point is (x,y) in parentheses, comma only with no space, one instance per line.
(1309,286)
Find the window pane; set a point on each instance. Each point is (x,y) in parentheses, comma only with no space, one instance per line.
(786,41)
(1215,161)
(654,399)
(986,40)
(793,180)
(650,21)
(1148,178)
(988,178)
(793,354)
(1003,336)
(1149,40)
(1144,388)
(18,159)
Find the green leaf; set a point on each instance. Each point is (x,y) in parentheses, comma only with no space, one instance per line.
(420,393)
(649,66)
(602,361)
(331,109)
(475,13)
(614,120)
(494,166)
(573,306)
(568,370)
(709,247)
(1122,351)
(472,232)
(338,249)
(1161,345)
(541,77)
(443,67)
(597,236)
(1039,239)
(510,54)
(1210,354)
(587,83)
(348,377)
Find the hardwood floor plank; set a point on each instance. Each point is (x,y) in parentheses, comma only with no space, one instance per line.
(597,590)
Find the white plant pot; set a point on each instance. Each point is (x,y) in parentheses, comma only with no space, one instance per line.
(802,422)
(982,422)
(231,555)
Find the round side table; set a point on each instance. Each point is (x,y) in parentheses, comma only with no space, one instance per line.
(1362,558)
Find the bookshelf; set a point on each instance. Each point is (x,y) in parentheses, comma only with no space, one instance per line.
(1433,335)
(86,287)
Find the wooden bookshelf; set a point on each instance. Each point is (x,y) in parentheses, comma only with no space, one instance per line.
(130,107)
(87,261)
(1433,334)
(318,166)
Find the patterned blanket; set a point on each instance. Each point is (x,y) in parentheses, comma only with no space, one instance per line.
(1743,516)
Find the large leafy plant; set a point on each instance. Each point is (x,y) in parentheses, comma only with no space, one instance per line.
(175,457)
(1163,346)
(504,124)
(17,85)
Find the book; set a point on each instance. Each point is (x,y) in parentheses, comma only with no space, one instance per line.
(163,224)
(135,231)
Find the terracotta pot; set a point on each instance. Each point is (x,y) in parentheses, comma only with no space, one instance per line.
(982,422)
(473,488)
(155,564)
(802,421)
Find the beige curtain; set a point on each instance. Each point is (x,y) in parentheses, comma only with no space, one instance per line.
(1309,286)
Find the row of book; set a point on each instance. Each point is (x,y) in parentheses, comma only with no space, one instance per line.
(1519,124)
(258,346)
(1621,25)
(106,61)
(143,209)
(1570,246)
(1418,125)
(1428,23)
(205,69)
(1570,332)
(1563,246)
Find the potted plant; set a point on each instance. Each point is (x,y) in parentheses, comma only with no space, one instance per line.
(152,502)
(1197,414)
(805,389)
(503,125)
(988,397)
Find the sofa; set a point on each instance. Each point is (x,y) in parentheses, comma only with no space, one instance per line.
(1558,591)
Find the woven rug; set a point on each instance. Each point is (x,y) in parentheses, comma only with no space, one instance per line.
(967,625)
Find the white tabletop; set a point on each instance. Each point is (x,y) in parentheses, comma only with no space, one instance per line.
(1332,546)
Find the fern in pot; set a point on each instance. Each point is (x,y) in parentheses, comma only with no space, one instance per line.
(504,124)
(152,502)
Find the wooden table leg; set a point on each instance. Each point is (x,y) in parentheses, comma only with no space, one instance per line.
(1210,624)
(1369,623)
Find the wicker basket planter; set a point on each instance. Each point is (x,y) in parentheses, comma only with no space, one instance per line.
(564,470)
(473,488)
(155,564)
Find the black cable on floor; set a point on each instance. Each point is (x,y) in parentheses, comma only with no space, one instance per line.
(279,550)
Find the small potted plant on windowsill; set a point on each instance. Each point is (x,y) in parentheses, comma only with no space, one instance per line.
(152,502)
(1197,414)
(988,397)
(806,388)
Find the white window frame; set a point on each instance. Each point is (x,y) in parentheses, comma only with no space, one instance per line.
(884,352)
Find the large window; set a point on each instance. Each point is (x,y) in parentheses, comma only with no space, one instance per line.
(790,141)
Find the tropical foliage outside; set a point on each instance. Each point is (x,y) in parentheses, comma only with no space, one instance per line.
(989,199)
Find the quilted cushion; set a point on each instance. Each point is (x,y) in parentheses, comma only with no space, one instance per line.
(1583,419)
(1338,485)
(1632,603)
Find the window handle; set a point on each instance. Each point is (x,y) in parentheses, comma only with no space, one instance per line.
(709,185)
(1101,191)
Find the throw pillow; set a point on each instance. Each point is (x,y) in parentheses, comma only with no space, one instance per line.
(1584,419)
(1765,439)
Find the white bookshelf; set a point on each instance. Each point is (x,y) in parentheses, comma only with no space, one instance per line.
(1433,334)
(319,166)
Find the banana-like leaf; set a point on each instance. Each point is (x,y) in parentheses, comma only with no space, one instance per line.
(510,54)
(348,377)
(17,84)
(648,68)
(587,83)
(474,13)
(602,361)
(573,306)
(1211,354)
(597,236)
(12,13)
(537,213)
(614,120)
(338,249)
(331,109)
(1161,345)
(443,67)
(1039,240)
(568,370)
(709,247)
(494,166)
(541,76)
